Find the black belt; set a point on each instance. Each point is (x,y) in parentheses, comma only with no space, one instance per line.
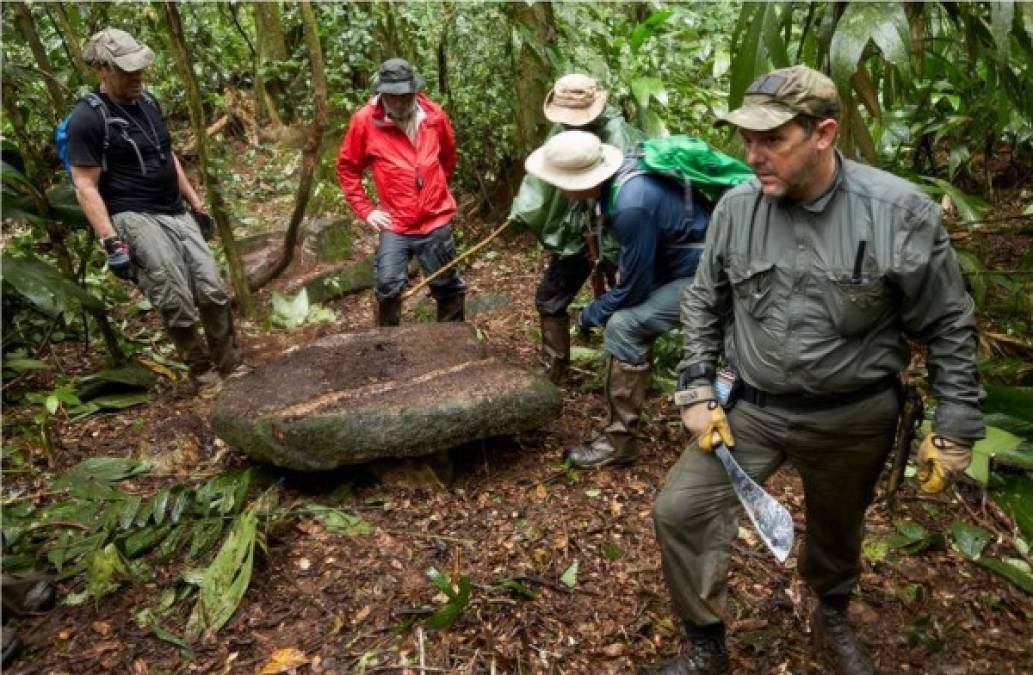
(815,401)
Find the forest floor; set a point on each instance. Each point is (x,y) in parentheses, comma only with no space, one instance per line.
(508,510)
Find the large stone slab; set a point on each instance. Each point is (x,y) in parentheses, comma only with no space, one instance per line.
(389,392)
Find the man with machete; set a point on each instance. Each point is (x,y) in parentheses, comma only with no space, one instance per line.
(814,276)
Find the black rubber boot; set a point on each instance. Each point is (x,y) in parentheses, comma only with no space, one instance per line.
(704,654)
(222,337)
(452,308)
(388,312)
(191,348)
(836,642)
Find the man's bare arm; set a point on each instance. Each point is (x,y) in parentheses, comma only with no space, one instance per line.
(86,180)
(186,189)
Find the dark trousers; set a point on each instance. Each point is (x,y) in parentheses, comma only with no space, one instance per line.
(432,251)
(839,454)
(563,278)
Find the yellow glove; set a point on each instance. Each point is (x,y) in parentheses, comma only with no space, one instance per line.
(940,462)
(706,422)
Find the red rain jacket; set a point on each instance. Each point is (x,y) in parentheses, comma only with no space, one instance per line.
(411,181)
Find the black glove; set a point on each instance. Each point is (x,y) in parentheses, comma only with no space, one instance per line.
(119,262)
(204,223)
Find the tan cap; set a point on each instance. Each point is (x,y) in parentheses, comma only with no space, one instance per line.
(574,160)
(575,100)
(775,98)
(114,47)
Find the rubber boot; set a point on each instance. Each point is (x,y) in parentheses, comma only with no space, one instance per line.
(836,642)
(704,654)
(388,312)
(191,349)
(222,337)
(452,308)
(625,391)
(555,346)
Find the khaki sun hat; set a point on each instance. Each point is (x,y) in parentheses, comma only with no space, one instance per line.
(775,98)
(574,161)
(575,100)
(114,47)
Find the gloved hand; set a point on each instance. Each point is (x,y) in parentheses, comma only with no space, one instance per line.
(940,462)
(204,223)
(706,422)
(379,220)
(119,262)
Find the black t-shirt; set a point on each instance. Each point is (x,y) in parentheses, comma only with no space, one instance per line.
(123,186)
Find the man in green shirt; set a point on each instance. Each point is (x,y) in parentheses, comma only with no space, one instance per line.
(814,277)
(576,102)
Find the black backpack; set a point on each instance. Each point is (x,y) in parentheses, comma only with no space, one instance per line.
(120,123)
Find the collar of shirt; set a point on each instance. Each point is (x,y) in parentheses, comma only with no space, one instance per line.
(818,204)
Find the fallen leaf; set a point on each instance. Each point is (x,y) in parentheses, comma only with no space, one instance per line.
(284,660)
(541,493)
(102,628)
(616,650)
(362,614)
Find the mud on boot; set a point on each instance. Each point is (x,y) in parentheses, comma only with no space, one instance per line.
(625,390)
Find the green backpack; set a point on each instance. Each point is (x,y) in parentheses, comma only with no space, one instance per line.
(687,160)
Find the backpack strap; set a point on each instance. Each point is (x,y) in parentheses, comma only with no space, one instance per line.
(97,103)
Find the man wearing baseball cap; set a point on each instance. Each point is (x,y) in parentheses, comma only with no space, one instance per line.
(576,102)
(135,195)
(660,231)
(406,140)
(814,277)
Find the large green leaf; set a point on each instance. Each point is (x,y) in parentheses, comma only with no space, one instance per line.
(227,578)
(970,539)
(102,470)
(1014,401)
(44,286)
(457,599)
(885,24)
(1015,497)
(1019,577)
(751,55)
(338,522)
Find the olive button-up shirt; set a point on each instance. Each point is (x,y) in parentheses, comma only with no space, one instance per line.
(788,292)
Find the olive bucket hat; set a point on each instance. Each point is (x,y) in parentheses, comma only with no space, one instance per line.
(114,47)
(775,98)
(396,76)
(575,100)
(574,161)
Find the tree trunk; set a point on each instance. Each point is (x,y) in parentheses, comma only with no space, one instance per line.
(271,46)
(23,17)
(533,79)
(310,153)
(238,276)
(70,37)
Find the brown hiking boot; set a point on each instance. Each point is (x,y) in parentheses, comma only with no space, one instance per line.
(221,336)
(452,308)
(555,347)
(388,312)
(704,654)
(837,643)
(191,349)
(625,391)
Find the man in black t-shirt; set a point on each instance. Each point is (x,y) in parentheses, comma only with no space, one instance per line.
(132,188)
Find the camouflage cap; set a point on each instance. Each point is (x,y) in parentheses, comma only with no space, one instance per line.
(775,98)
(114,47)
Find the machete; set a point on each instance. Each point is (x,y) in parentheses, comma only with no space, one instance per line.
(772,520)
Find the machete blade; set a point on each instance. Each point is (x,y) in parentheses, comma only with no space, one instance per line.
(771,519)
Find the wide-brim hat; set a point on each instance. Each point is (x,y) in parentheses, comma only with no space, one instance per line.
(574,161)
(575,101)
(397,76)
(116,47)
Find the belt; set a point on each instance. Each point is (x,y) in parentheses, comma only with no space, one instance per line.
(806,402)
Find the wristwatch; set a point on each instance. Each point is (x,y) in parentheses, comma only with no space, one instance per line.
(697,371)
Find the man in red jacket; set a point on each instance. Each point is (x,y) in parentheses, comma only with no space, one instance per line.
(408,141)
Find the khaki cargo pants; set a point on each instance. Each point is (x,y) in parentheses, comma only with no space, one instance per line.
(176,271)
(174,266)
(839,454)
